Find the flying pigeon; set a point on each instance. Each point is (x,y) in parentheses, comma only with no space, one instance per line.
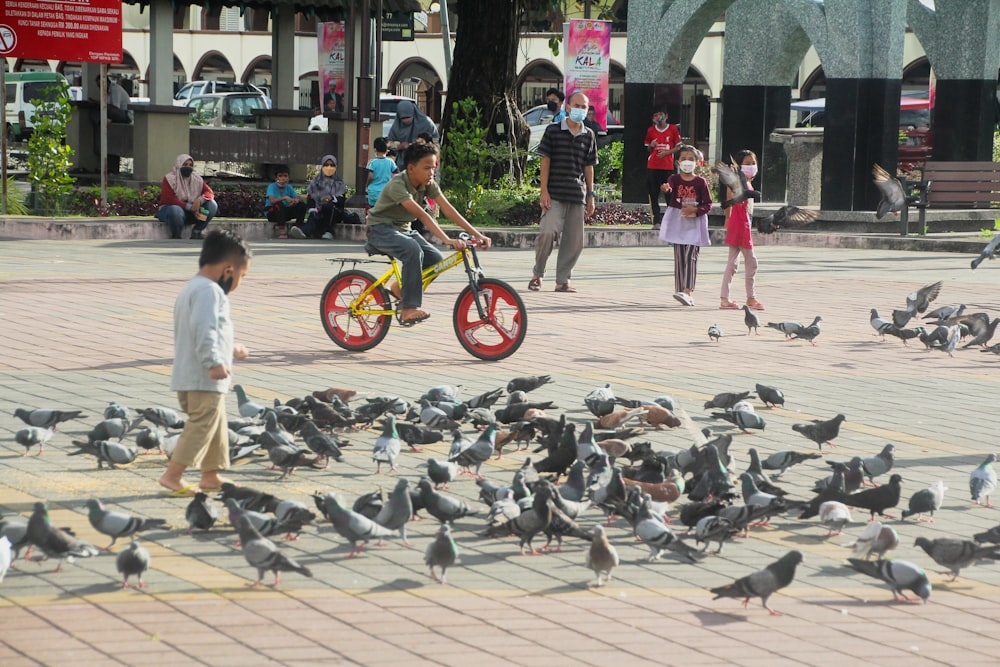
(601,557)
(989,252)
(117,524)
(733,178)
(763,583)
(893,198)
(133,560)
(899,574)
(983,481)
(442,552)
(786,217)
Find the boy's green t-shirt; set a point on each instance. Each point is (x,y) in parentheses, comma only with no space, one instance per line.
(389,207)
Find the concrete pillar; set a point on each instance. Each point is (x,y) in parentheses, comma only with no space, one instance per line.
(283,57)
(161,52)
(637,116)
(963,125)
(160,134)
(750,115)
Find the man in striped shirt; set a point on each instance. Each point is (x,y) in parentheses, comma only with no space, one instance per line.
(569,153)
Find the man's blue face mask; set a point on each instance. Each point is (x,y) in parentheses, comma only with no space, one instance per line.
(577,115)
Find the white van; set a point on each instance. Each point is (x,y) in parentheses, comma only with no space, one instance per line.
(21,89)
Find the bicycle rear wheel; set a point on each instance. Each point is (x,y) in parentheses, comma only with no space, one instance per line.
(502,332)
(351,331)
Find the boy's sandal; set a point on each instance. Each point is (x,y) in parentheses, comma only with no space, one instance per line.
(729,305)
(535,284)
(416,318)
(754,304)
(564,288)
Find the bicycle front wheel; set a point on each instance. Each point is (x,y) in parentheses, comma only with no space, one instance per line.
(349,329)
(502,331)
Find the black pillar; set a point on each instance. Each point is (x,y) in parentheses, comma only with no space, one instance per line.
(638,111)
(862,128)
(751,114)
(963,125)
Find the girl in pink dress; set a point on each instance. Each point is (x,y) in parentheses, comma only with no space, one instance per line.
(739,239)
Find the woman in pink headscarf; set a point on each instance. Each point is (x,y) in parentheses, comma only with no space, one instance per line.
(185,198)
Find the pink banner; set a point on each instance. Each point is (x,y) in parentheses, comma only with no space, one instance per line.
(332,47)
(588,54)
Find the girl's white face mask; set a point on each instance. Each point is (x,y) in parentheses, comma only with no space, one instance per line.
(687,166)
(750,170)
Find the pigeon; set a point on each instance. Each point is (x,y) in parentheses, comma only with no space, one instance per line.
(417,434)
(441,472)
(751,320)
(879,464)
(165,417)
(926,501)
(822,432)
(575,486)
(983,481)
(444,508)
(200,513)
(763,583)
(530,522)
(920,301)
(834,515)
(248,408)
(117,524)
(881,326)
(726,400)
(327,446)
(15,529)
(132,560)
(601,557)
(117,410)
(368,504)
(833,491)
(955,554)
(788,328)
(875,540)
(341,393)
(265,524)
(743,419)
(55,542)
(112,453)
(111,428)
(714,334)
(443,392)
(760,478)
(782,461)
(809,333)
(355,528)
(854,476)
(262,554)
(397,511)
(879,499)
(937,337)
(476,454)
(893,197)
(992,535)
(770,396)
(951,342)
(906,335)
(33,435)
(988,252)
(786,217)
(984,336)
(731,177)
(434,417)
(387,446)
(275,435)
(714,529)
(502,509)
(148,439)
(6,556)
(46,418)
(485,400)
(657,535)
(528,383)
(248,498)
(287,459)
(899,574)
(442,553)
(945,313)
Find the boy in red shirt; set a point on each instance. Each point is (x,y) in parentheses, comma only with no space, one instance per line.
(662,141)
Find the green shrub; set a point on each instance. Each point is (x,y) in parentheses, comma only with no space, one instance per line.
(608,170)
(15,200)
(122,201)
(464,163)
(48,155)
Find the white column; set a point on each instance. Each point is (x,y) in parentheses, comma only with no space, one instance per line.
(283,58)
(161,52)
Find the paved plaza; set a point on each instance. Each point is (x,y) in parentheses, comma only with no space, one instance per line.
(87,323)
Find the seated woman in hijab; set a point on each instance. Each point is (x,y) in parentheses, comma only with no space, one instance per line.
(185,198)
(410,123)
(327,192)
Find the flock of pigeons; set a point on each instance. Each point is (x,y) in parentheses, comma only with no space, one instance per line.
(600,463)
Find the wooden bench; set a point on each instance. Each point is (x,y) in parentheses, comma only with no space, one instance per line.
(954,185)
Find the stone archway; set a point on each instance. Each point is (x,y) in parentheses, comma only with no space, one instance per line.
(179,75)
(416,78)
(535,78)
(213,65)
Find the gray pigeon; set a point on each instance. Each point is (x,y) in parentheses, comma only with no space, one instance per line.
(880,325)
(893,198)
(15,529)
(926,501)
(355,528)
(248,408)
(714,334)
(111,428)
(442,553)
(397,511)
(33,435)
(658,536)
(528,383)
(809,333)
(117,524)
(200,513)
(160,416)
(485,400)
(983,481)
(47,418)
(742,419)
(820,431)
(55,542)
(601,557)
(111,453)
(770,396)
(782,461)
(787,328)
(149,439)
(879,464)
(116,409)
(441,472)
(988,252)
(444,508)
(434,417)
(956,554)
(713,529)
(262,554)
(476,454)
(326,446)
(266,524)
(726,400)
(951,342)
(899,574)
(786,217)
(991,536)
(387,446)
(763,583)
(751,320)
(133,559)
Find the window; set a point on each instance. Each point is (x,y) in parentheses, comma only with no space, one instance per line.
(40,90)
(11,92)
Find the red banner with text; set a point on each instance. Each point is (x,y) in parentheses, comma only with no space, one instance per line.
(71,30)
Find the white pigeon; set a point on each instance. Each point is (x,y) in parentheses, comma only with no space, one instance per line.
(835,516)
(874,539)
(6,557)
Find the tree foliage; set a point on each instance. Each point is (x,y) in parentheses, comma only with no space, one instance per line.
(49,158)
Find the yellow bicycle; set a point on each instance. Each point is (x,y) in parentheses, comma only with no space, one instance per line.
(356,307)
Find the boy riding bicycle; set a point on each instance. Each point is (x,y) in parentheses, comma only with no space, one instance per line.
(390,226)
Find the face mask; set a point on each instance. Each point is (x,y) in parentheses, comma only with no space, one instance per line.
(687,166)
(577,115)
(660,122)
(225,283)
(552,106)
(186,171)
(750,170)
(329,171)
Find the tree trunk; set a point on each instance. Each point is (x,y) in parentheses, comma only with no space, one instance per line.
(486,51)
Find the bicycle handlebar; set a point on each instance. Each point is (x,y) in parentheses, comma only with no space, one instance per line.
(469,241)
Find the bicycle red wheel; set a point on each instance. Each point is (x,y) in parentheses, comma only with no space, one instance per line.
(351,331)
(502,332)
